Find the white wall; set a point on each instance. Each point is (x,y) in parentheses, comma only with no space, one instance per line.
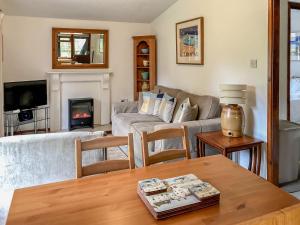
(236,31)
(28,46)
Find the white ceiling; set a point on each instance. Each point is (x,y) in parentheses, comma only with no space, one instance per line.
(143,11)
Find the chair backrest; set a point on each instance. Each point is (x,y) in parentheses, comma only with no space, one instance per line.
(167,154)
(103,166)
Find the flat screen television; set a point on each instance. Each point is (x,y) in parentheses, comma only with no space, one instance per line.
(25,95)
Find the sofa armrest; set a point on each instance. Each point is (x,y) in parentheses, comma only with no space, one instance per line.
(124,107)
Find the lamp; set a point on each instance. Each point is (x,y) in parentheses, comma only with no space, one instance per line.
(232,117)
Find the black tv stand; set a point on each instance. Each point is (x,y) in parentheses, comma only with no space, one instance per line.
(12,123)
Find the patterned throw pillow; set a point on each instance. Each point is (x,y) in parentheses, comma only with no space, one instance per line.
(148,103)
(186,112)
(166,108)
(158,101)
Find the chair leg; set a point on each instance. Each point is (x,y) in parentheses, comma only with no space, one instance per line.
(250,158)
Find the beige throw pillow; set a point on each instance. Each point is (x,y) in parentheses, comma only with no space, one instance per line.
(186,112)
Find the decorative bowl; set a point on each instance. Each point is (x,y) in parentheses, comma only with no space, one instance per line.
(145,75)
(145,50)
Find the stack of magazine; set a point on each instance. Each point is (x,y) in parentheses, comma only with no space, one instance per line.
(174,196)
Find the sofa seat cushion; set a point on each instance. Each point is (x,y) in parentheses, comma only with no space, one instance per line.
(121,122)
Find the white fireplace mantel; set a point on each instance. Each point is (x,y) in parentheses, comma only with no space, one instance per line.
(64,85)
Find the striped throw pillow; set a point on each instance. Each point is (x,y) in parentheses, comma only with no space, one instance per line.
(166,108)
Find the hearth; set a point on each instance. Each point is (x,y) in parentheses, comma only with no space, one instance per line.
(81,113)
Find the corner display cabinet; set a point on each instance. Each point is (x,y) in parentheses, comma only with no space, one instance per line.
(145,76)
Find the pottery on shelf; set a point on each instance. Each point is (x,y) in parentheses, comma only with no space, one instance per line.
(145,75)
(146,63)
(145,86)
(145,50)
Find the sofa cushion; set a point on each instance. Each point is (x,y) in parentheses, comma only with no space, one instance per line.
(148,103)
(208,105)
(121,122)
(186,112)
(170,91)
(157,104)
(166,108)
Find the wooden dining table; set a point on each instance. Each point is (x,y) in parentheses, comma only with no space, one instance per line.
(112,198)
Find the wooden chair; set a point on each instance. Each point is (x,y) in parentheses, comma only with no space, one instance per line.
(107,165)
(166,155)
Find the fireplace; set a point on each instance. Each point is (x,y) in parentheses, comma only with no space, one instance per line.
(81,113)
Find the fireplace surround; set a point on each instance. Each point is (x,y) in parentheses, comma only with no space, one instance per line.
(64,85)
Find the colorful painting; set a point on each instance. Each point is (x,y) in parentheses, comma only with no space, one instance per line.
(190,41)
(295,46)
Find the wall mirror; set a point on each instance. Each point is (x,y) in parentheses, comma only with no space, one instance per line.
(79,48)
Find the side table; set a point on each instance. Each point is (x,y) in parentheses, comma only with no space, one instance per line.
(227,145)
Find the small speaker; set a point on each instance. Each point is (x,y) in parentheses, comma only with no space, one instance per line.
(25,115)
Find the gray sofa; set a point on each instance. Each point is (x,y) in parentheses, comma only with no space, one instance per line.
(126,119)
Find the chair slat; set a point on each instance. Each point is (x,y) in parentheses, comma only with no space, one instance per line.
(105,142)
(105,166)
(167,155)
(165,134)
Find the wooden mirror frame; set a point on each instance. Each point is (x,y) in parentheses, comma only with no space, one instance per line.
(55,64)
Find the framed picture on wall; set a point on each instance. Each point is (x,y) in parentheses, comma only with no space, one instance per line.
(295,46)
(190,42)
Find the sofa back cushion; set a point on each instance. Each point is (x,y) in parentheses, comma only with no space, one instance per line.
(170,91)
(208,105)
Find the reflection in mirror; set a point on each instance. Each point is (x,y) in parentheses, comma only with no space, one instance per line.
(86,49)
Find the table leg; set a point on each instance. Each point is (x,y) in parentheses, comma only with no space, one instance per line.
(250,159)
(254,160)
(258,159)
